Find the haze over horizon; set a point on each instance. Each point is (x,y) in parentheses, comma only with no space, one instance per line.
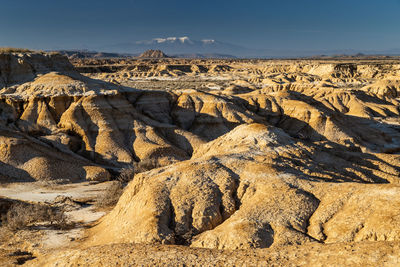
(307,25)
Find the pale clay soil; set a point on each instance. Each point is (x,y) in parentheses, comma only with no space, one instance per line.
(51,239)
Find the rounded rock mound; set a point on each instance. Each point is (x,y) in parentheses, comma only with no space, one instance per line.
(33,74)
(153,54)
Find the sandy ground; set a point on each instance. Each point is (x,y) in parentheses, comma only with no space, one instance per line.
(37,192)
(42,240)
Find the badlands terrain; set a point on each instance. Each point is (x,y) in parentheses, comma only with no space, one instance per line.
(237,162)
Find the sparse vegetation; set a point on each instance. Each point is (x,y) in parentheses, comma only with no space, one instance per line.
(111,195)
(126,175)
(146,165)
(14,50)
(115,190)
(23,215)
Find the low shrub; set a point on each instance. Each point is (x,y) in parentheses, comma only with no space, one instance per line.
(111,195)
(146,165)
(23,215)
(126,175)
(115,189)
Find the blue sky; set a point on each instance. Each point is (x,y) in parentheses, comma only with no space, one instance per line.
(285,24)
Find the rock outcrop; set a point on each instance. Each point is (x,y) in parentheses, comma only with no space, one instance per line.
(153,54)
(256,187)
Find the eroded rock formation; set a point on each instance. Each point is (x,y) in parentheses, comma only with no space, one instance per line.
(256,154)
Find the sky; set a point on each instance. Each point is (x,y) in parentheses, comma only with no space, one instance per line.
(280,24)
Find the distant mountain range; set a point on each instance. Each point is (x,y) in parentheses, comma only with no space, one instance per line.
(186,47)
(182,46)
(209,48)
(94,54)
(160,54)
(90,54)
